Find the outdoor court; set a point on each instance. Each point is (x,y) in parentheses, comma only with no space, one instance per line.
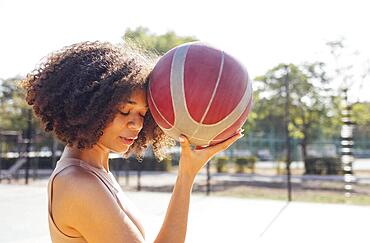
(23,218)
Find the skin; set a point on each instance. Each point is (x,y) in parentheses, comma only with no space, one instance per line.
(76,210)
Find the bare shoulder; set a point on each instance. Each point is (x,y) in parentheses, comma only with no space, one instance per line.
(73,187)
(74,180)
(73,184)
(83,204)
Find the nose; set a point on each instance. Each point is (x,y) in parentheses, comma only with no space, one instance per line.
(135,123)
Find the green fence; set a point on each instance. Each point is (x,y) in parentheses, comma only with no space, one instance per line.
(274,149)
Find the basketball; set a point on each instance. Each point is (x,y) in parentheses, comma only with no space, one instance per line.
(201,92)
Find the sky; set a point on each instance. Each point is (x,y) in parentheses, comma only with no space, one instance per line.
(260,33)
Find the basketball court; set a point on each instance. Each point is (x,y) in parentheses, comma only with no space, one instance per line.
(23,218)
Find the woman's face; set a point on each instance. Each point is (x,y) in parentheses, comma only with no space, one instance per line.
(121,133)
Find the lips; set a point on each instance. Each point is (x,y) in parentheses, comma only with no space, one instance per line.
(128,140)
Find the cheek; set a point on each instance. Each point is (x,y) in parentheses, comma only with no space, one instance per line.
(106,136)
(115,128)
(109,130)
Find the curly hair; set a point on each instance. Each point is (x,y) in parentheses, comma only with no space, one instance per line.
(76,91)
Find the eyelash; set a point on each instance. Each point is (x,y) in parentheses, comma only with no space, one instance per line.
(126,114)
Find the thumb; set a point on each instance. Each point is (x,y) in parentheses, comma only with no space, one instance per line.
(184,143)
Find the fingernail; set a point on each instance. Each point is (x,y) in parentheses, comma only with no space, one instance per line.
(181,139)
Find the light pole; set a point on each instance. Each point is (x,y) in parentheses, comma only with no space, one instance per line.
(28,144)
(208,191)
(287,121)
(347,145)
(140,164)
(1,154)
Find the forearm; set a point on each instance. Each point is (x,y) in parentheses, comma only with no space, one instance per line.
(175,223)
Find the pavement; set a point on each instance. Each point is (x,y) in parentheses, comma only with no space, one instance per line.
(23,218)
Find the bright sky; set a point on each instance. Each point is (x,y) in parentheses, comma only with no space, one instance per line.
(260,33)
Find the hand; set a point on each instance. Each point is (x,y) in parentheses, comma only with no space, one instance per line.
(192,160)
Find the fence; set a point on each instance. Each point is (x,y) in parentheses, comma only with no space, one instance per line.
(273,148)
(267,179)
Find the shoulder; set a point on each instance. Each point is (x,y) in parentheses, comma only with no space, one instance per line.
(75,186)
(75,179)
(74,189)
(83,202)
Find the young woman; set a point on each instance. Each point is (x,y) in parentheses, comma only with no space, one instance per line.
(92,96)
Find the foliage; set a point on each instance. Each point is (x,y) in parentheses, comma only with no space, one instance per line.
(361,118)
(347,67)
(221,164)
(165,164)
(14,112)
(245,163)
(323,166)
(158,44)
(13,108)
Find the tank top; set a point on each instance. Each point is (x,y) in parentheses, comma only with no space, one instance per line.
(108,179)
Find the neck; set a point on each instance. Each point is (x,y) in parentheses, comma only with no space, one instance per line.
(97,156)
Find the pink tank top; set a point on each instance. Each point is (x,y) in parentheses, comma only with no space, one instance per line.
(58,236)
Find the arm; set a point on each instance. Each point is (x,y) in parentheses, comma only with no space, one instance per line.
(176,219)
(191,161)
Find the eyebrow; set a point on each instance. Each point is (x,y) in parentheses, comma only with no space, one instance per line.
(131,102)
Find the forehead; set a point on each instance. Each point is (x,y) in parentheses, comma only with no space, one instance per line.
(137,98)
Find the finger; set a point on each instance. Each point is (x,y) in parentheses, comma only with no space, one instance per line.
(184,144)
(200,147)
(239,131)
(225,144)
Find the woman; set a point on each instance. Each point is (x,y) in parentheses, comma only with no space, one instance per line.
(92,96)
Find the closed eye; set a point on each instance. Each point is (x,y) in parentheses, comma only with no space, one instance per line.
(124,113)
(127,113)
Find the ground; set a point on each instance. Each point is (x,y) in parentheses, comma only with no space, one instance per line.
(23,211)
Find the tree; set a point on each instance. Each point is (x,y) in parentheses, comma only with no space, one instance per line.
(14,110)
(158,44)
(307,102)
(361,117)
(347,68)
(350,70)
(12,105)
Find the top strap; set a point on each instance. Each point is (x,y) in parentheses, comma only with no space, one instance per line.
(67,162)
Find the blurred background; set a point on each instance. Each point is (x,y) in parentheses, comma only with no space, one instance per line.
(307,137)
